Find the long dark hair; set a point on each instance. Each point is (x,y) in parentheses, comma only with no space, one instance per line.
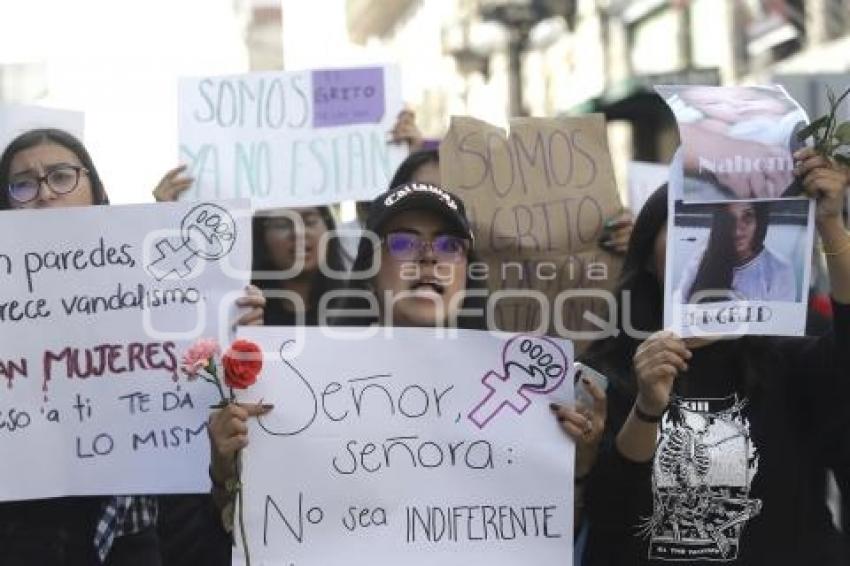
(639,295)
(716,269)
(37,137)
(320,284)
(407,169)
(640,301)
(404,174)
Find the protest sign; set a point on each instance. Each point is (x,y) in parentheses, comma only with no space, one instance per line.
(737,142)
(538,198)
(643,179)
(15,119)
(97,305)
(422,448)
(736,268)
(291,139)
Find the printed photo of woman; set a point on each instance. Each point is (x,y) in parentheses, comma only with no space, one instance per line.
(736,263)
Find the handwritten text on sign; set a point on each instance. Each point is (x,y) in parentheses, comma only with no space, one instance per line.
(538,197)
(97,305)
(291,139)
(415,450)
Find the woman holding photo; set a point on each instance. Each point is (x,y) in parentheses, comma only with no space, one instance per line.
(714,446)
(735,263)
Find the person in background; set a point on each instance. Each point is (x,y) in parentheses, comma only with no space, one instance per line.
(279,242)
(189,525)
(714,446)
(174,183)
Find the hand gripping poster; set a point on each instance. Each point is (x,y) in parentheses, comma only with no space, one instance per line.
(406,446)
(739,238)
(98,305)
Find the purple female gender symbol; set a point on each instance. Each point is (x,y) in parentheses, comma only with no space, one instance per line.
(531,364)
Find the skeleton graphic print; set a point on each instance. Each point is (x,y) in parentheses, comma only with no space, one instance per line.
(703,468)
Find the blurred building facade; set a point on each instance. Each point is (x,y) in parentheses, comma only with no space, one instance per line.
(577,56)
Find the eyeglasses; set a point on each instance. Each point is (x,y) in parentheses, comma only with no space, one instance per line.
(406,246)
(62,179)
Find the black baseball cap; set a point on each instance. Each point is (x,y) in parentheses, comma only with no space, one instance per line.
(419,196)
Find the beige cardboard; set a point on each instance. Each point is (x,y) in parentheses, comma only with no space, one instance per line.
(539,195)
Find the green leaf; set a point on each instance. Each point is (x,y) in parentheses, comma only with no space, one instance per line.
(809,130)
(842,133)
(842,159)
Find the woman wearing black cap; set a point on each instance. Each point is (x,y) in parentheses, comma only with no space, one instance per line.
(715,448)
(420,279)
(412,269)
(421,270)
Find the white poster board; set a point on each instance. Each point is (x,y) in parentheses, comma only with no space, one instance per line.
(408,446)
(708,292)
(16,119)
(97,306)
(291,139)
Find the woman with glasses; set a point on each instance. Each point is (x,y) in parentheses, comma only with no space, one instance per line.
(49,168)
(422,264)
(424,243)
(412,269)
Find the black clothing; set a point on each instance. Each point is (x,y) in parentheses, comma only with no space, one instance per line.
(735,478)
(60,532)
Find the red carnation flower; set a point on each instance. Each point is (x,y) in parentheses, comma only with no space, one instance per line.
(242,364)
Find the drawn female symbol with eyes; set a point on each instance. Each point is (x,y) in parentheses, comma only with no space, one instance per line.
(531,364)
(208,231)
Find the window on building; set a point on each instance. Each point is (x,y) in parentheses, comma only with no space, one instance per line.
(767,31)
(837,18)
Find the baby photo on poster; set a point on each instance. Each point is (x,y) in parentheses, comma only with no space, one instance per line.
(737,142)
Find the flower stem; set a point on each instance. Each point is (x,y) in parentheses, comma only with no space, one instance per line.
(220,390)
(239,502)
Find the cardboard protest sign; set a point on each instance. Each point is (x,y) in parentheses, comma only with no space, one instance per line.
(737,142)
(643,179)
(16,119)
(421,448)
(97,305)
(740,267)
(290,139)
(538,198)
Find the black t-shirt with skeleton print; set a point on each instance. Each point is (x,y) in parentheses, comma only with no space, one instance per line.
(750,430)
